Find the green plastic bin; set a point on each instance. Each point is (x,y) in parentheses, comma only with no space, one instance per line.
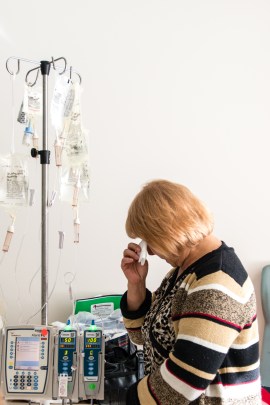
(102,305)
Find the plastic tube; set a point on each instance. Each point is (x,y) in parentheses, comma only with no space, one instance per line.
(35,141)
(76,230)
(9,235)
(58,152)
(28,133)
(76,192)
(61,239)
(32,195)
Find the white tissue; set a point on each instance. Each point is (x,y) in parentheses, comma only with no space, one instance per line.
(143,254)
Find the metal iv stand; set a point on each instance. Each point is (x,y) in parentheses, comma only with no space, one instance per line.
(44,67)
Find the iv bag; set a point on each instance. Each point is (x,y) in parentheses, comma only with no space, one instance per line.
(73,100)
(75,150)
(69,101)
(14,181)
(59,99)
(69,180)
(73,135)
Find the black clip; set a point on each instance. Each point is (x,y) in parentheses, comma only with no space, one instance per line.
(44,155)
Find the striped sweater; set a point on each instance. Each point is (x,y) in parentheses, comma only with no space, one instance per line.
(200,336)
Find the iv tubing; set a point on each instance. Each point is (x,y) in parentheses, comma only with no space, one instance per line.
(16,264)
(52,291)
(4,309)
(71,296)
(2,258)
(30,285)
(13,115)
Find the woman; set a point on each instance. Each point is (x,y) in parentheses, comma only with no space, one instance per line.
(199,328)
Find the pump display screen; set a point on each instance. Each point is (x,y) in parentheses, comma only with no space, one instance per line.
(92,342)
(67,342)
(27,353)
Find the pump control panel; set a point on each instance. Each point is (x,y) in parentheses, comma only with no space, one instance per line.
(92,349)
(66,352)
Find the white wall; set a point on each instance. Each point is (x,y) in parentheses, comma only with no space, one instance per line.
(172,89)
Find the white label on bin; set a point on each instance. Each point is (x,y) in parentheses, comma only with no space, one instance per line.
(102,310)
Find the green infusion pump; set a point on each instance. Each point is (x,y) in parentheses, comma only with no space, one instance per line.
(91,383)
(65,377)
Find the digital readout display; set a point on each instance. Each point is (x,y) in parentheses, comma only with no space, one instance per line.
(92,342)
(68,342)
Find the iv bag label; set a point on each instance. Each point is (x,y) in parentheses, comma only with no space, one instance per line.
(102,310)
(32,103)
(15,184)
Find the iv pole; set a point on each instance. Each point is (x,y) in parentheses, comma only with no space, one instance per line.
(45,161)
(44,67)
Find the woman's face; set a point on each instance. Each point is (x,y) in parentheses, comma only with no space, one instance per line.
(173,260)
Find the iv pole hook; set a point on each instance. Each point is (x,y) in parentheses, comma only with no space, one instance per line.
(18,67)
(38,68)
(56,67)
(26,77)
(71,73)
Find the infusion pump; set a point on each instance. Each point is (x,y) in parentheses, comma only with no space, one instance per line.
(27,362)
(65,373)
(42,362)
(92,351)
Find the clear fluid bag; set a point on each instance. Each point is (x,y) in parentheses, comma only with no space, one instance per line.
(74,136)
(75,150)
(14,180)
(69,180)
(59,100)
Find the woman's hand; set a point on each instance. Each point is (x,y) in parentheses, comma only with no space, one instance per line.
(136,275)
(133,270)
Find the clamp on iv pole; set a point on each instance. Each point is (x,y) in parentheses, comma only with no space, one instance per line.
(44,67)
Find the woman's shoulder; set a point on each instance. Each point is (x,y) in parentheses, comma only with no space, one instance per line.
(223,260)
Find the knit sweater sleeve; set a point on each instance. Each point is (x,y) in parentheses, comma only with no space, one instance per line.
(216,344)
(133,320)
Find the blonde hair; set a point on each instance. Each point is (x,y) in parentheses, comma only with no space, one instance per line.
(168,217)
